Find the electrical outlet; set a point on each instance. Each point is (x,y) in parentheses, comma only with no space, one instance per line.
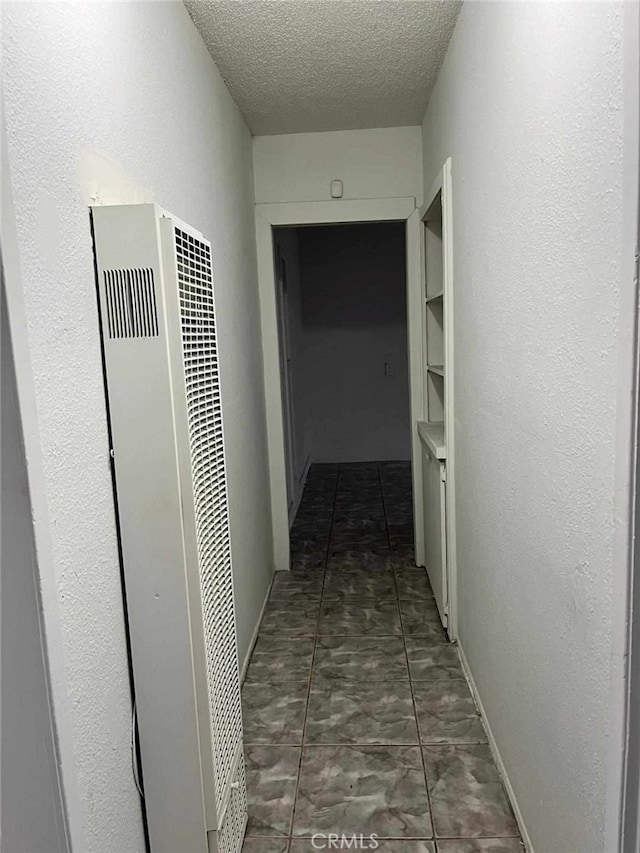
(388,368)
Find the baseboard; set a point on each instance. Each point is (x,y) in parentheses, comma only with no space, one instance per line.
(247,657)
(496,752)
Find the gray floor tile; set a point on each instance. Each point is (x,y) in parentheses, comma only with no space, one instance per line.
(309,542)
(447,713)
(413,583)
(403,552)
(312,525)
(348,541)
(265,845)
(466,793)
(481,845)
(359,525)
(369,560)
(272,772)
(356,616)
(361,689)
(293,618)
(361,658)
(274,713)
(358,712)
(288,585)
(375,789)
(402,533)
(421,619)
(278,659)
(348,515)
(308,562)
(430,661)
(359,582)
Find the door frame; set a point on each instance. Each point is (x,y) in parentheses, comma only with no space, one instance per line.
(268,216)
(288,419)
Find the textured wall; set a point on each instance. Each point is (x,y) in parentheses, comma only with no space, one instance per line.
(121,102)
(380,163)
(529,106)
(32,812)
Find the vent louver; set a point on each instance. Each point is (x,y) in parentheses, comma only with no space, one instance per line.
(197,314)
(131,303)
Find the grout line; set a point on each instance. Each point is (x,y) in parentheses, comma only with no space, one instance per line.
(415,712)
(313,657)
(413,698)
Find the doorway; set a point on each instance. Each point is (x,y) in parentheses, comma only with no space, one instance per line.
(342,324)
(280,427)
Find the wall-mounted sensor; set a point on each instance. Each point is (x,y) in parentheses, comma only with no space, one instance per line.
(336,189)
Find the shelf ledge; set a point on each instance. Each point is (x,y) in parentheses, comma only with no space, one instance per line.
(432,436)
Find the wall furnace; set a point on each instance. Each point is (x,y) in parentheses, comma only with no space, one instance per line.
(157,315)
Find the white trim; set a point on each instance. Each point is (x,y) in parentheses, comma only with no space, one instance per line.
(301,482)
(442,184)
(415,333)
(449,394)
(493,746)
(256,631)
(297,213)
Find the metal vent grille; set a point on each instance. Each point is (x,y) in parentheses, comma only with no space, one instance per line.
(231,834)
(131,303)
(197,316)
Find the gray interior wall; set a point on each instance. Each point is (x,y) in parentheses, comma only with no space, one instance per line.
(354,322)
(32,817)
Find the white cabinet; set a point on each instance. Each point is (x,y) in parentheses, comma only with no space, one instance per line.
(435,526)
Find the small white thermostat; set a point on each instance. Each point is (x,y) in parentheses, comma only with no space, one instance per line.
(336,189)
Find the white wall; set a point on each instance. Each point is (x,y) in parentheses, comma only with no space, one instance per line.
(121,102)
(378,163)
(32,815)
(354,322)
(529,104)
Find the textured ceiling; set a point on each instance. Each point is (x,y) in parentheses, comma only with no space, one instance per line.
(308,65)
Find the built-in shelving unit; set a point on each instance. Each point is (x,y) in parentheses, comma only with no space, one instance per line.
(435,431)
(434,324)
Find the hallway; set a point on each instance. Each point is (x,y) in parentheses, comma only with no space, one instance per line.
(357,716)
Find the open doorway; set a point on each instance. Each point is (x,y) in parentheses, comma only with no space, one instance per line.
(283,433)
(343,343)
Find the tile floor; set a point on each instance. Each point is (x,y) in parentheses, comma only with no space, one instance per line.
(357,717)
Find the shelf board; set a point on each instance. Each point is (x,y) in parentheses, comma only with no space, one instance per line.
(432,435)
(434,298)
(438,369)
